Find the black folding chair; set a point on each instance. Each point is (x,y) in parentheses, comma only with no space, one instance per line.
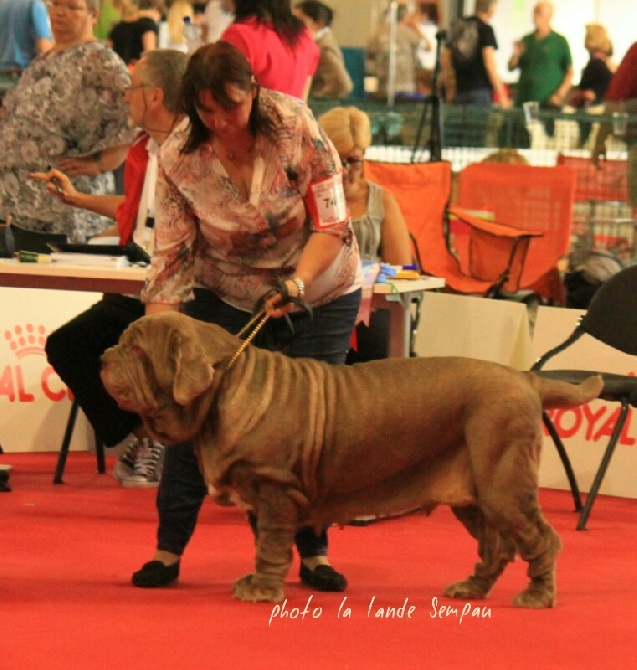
(612,319)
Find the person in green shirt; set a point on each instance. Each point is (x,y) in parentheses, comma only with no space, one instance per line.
(110,14)
(544,59)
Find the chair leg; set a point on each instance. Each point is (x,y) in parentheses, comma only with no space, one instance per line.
(603,466)
(66,443)
(99,452)
(566,461)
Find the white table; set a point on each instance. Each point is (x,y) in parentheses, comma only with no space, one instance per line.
(396,295)
(62,276)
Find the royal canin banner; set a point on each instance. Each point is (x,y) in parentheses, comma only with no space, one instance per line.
(586,430)
(34,402)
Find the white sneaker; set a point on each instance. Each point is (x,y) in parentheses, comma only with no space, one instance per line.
(125,466)
(148,466)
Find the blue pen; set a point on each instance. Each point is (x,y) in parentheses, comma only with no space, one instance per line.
(410,267)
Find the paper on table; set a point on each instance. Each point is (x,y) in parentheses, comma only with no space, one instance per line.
(91,260)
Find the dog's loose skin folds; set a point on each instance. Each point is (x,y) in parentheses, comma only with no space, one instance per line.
(305,443)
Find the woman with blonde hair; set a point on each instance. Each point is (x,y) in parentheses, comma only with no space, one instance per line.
(179,10)
(597,73)
(378,223)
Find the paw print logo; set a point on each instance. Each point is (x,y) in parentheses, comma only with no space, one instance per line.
(27,340)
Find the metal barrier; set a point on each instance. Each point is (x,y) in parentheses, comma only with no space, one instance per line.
(469,134)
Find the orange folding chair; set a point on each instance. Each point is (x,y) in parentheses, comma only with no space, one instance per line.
(493,258)
(529,198)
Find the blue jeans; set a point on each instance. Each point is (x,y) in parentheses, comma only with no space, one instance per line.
(182,488)
(476,97)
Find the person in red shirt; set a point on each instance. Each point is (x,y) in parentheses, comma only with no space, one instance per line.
(278,46)
(621,97)
(74,349)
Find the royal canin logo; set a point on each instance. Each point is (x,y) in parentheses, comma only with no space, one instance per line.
(26,340)
(15,386)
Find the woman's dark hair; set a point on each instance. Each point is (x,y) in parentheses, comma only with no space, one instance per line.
(277,12)
(317,11)
(431,10)
(210,68)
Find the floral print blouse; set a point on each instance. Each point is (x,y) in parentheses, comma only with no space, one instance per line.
(65,104)
(208,234)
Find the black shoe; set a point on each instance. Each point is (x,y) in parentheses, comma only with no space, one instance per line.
(323,578)
(155,573)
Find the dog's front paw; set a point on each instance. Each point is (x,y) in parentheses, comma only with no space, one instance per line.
(535,597)
(256,588)
(469,588)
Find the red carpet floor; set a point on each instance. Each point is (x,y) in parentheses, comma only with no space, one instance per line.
(67,553)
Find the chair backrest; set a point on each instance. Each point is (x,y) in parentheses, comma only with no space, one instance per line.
(422,191)
(527,197)
(612,313)
(607,183)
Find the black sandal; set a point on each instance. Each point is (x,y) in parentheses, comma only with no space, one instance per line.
(155,574)
(323,578)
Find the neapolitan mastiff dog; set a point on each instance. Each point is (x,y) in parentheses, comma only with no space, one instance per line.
(306,443)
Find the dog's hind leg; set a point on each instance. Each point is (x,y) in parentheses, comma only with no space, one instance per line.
(520,519)
(538,544)
(495,552)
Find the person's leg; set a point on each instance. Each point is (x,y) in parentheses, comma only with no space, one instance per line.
(181,493)
(324,337)
(182,488)
(74,351)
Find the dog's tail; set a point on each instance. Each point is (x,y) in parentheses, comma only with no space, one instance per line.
(556,394)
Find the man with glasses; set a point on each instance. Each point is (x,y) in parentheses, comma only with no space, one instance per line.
(24,32)
(74,350)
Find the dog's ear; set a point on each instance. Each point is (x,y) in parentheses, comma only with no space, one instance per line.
(193,371)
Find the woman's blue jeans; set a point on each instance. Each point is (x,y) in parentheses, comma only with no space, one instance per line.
(182,489)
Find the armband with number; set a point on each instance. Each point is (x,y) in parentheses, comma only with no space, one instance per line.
(326,202)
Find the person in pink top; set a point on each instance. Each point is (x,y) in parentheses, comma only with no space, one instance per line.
(278,46)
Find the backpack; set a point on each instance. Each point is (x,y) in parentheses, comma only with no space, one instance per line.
(463,42)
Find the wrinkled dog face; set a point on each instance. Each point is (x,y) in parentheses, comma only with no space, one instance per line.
(159,371)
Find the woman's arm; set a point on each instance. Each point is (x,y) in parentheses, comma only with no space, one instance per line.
(337,81)
(448,75)
(102,161)
(306,89)
(395,245)
(59,185)
(157,307)
(149,40)
(171,275)
(488,56)
(317,256)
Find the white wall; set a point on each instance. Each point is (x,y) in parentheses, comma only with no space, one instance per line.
(355,20)
(514,18)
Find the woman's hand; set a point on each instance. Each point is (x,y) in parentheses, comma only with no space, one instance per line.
(58,184)
(276,305)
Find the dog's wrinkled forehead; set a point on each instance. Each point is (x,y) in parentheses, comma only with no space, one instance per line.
(168,345)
